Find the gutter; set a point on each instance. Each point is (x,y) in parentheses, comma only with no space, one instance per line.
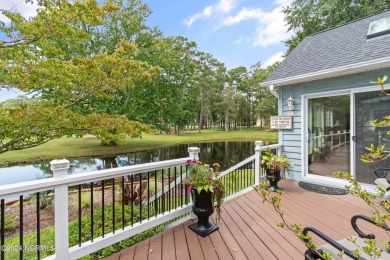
(273,91)
(334,72)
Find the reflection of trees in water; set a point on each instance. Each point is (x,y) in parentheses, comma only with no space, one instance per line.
(226,154)
(44,168)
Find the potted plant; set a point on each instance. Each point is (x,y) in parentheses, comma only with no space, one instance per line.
(273,166)
(206,189)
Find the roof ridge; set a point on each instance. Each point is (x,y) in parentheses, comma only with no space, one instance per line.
(353,21)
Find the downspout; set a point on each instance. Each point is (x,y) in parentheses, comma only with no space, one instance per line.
(273,91)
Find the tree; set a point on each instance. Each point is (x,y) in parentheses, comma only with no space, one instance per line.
(306,17)
(265,104)
(53,56)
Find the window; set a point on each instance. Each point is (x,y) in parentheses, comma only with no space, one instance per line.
(379,27)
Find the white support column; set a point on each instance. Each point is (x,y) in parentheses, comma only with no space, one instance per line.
(258,149)
(194,152)
(60,171)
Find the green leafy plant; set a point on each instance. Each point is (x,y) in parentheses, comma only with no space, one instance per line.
(274,162)
(380,210)
(204,177)
(9,222)
(381,82)
(275,201)
(85,200)
(46,202)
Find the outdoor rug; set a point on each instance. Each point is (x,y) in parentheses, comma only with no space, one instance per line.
(322,189)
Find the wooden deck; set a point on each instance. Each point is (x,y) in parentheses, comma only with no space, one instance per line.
(249,228)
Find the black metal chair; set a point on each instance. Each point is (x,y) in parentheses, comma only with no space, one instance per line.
(334,247)
(383,179)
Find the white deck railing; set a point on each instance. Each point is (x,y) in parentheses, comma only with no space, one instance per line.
(61,181)
(335,140)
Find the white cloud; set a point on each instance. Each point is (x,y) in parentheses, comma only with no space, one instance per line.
(270,26)
(243,15)
(238,41)
(207,12)
(26,9)
(222,7)
(271,29)
(226,6)
(274,58)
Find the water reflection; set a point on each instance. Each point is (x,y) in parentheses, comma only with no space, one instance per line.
(226,154)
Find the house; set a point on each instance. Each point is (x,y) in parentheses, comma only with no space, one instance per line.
(328,79)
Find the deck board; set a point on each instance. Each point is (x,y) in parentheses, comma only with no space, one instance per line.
(248,228)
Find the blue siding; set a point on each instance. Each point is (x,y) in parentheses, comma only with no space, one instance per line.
(291,139)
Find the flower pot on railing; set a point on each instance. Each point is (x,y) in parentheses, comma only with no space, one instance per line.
(273,178)
(203,208)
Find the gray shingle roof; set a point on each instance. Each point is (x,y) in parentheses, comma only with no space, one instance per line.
(336,47)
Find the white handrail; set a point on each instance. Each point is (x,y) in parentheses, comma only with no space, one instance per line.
(16,189)
(238,165)
(61,181)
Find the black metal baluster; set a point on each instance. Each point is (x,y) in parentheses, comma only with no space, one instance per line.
(241,181)
(175,197)
(185,188)
(181,185)
(123,202)
(148,195)
(103,208)
(2,224)
(245,172)
(155,194)
(169,190)
(230,183)
(38,226)
(237,181)
(91,211)
(162,193)
(21,226)
(79,197)
(140,198)
(113,205)
(132,200)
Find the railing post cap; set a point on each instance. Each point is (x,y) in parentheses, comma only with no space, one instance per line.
(259,143)
(193,149)
(59,164)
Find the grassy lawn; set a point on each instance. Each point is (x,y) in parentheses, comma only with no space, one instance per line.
(90,146)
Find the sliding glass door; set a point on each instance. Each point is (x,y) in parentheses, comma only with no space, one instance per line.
(370,106)
(328,135)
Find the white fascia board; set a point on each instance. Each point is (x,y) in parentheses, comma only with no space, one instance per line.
(334,72)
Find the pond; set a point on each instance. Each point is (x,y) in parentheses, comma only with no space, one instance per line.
(226,154)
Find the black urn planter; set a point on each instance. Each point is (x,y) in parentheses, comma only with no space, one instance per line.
(273,178)
(203,208)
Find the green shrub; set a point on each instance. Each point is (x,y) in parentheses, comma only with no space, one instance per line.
(9,223)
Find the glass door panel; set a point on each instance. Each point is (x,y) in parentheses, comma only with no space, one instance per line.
(328,135)
(370,106)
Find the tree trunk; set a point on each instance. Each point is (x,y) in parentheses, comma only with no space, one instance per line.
(200,126)
(226,120)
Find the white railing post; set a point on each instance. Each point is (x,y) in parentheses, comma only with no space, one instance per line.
(331,140)
(60,171)
(194,152)
(339,134)
(258,149)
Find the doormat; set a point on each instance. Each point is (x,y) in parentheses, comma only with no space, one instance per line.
(322,189)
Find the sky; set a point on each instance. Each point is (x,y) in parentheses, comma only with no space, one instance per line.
(236,32)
